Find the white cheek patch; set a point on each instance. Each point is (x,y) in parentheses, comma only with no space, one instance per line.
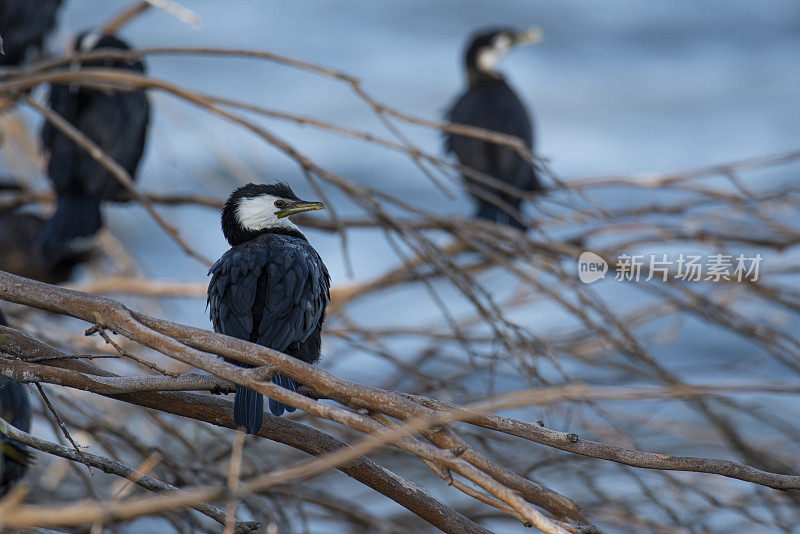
(258,213)
(86,44)
(89,41)
(489,57)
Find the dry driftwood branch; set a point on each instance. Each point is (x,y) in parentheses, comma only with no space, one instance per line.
(492,481)
(31,373)
(208,342)
(219,412)
(481,133)
(125,17)
(107,465)
(381,109)
(63,300)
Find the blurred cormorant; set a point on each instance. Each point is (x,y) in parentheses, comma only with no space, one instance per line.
(24,26)
(15,408)
(490,103)
(270,288)
(22,255)
(116,121)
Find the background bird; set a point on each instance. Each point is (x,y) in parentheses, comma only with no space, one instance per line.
(15,408)
(116,121)
(271,287)
(22,255)
(489,102)
(25,25)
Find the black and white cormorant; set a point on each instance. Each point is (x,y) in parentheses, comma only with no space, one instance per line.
(25,26)
(490,103)
(22,255)
(15,408)
(116,121)
(270,288)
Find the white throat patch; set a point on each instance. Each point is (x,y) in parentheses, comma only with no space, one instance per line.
(89,41)
(489,57)
(258,213)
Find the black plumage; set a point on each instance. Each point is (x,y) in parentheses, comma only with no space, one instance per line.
(116,121)
(22,255)
(15,408)
(489,102)
(24,26)
(270,288)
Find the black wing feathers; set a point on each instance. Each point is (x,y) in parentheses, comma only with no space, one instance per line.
(14,456)
(272,291)
(117,122)
(24,26)
(493,105)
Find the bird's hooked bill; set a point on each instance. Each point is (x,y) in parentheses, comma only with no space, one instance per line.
(531,35)
(298,207)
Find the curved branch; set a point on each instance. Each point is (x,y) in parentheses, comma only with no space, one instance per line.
(219,412)
(107,465)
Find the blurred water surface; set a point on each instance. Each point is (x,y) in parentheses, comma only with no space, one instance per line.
(616,88)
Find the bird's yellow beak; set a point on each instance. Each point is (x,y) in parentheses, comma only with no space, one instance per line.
(531,35)
(299,207)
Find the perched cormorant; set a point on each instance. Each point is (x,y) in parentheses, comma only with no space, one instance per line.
(24,26)
(490,103)
(116,121)
(270,288)
(15,408)
(21,254)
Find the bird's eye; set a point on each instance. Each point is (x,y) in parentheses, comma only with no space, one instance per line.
(280,204)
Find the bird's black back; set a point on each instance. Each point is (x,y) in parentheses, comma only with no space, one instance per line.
(490,103)
(15,408)
(116,121)
(24,26)
(493,105)
(272,290)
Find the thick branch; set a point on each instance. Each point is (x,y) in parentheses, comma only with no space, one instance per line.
(280,429)
(107,465)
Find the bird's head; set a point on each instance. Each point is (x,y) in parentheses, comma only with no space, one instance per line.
(254,209)
(487,47)
(94,40)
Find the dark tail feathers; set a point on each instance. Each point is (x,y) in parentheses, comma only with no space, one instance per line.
(248,405)
(14,460)
(490,212)
(74,217)
(248,409)
(277,408)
